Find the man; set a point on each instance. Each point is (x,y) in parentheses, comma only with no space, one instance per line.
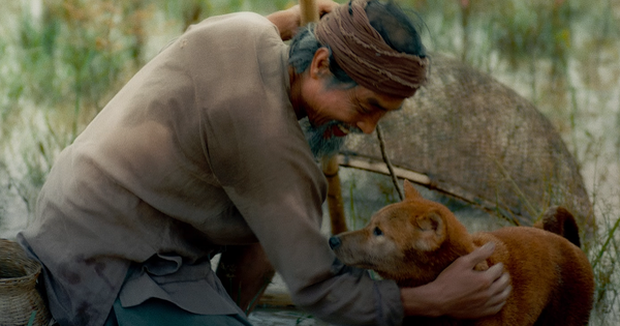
(201,152)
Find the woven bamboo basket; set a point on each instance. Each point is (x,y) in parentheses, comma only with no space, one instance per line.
(20,302)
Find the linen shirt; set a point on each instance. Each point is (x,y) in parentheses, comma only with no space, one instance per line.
(200,149)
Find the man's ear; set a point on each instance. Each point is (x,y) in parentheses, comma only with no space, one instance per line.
(320,63)
(410,191)
(431,229)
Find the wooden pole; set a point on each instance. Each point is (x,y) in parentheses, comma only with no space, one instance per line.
(335,203)
(310,14)
(309,11)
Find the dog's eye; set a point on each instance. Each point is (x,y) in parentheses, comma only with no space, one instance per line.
(377,231)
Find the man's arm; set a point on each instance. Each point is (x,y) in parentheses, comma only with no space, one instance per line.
(460,291)
(287,21)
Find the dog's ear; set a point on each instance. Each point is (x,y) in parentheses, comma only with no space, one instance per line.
(431,229)
(410,191)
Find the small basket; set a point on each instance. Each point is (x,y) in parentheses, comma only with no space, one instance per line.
(20,302)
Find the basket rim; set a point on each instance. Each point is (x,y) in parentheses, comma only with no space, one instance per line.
(30,275)
(18,257)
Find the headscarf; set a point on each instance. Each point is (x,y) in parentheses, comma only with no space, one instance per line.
(363,54)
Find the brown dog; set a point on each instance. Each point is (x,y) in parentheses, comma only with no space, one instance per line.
(413,241)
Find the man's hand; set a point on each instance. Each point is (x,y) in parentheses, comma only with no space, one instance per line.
(460,291)
(288,20)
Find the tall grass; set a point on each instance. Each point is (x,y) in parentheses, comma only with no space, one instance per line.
(61,63)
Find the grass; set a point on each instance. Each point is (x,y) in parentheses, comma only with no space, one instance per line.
(604,254)
(61,64)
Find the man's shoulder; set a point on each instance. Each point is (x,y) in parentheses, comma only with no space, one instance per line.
(241,24)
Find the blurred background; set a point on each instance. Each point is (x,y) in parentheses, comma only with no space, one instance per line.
(61,61)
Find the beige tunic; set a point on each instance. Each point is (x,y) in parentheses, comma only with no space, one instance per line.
(201,149)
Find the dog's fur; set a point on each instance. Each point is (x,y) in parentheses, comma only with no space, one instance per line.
(414,240)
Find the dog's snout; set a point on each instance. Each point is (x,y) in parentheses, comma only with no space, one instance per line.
(334,242)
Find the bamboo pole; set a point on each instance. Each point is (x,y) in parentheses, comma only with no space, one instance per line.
(309,14)
(335,203)
(309,11)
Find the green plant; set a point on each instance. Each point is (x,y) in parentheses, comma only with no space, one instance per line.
(604,254)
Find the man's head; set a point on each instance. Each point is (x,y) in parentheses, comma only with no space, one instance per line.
(358,63)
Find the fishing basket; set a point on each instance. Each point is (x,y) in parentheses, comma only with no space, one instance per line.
(20,301)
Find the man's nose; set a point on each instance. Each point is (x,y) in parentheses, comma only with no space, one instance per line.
(368,125)
(369,122)
(334,242)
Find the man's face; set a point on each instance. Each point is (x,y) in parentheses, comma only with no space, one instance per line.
(333,113)
(355,107)
(334,110)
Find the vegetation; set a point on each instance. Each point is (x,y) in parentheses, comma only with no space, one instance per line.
(62,60)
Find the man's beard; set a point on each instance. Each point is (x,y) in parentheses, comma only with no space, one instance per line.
(319,145)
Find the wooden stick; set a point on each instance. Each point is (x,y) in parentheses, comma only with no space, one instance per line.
(309,11)
(310,14)
(386,159)
(335,202)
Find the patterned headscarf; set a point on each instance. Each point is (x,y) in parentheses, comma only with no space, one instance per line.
(363,54)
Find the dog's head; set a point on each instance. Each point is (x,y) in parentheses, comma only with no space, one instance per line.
(404,240)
